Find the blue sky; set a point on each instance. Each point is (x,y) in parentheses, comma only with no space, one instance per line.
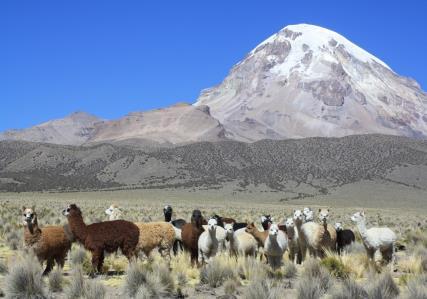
(113,57)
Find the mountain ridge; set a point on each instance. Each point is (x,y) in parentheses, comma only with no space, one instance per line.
(303,81)
(297,167)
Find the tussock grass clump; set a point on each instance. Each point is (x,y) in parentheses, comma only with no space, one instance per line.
(75,288)
(3,267)
(56,280)
(161,273)
(289,270)
(24,279)
(416,237)
(13,240)
(144,280)
(417,287)
(315,281)
(217,271)
(80,258)
(382,287)
(411,264)
(335,266)
(252,269)
(264,289)
(135,278)
(349,289)
(94,289)
(144,292)
(230,286)
(78,255)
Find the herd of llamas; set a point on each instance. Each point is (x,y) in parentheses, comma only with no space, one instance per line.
(203,238)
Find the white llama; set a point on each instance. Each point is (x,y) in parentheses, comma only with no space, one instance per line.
(377,240)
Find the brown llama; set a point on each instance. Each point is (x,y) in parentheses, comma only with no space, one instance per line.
(102,237)
(50,243)
(190,234)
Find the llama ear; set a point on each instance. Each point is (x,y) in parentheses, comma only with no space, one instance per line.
(23,208)
(327,209)
(319,210)
(362,213)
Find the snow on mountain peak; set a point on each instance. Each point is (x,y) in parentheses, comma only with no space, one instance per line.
(306,37)
(309,81)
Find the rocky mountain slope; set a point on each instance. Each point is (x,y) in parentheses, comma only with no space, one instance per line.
(181,123)
(309,81)
(300,167)
(178,124)
(74,129)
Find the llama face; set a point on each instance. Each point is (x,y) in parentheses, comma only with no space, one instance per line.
(110,210)
(197,217)
(212,224)
(323,215)
(274,230)
(228,228)
(298,215)
(167,210)
(250,228)
(29,216)
(290,222)
(358,217)
(266,221)
(338,226)
(71,210)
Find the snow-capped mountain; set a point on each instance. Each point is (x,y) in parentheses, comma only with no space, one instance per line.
(309,81)
(73,129)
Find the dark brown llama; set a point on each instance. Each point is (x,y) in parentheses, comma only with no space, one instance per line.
(103,237)
(190,234)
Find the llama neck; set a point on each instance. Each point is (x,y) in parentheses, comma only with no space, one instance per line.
(325,224)
(361,226)
(32,233)
(260,237)
(231,238)
(168,217)
(272,239)
(212,234)
(78,227)
(290,231)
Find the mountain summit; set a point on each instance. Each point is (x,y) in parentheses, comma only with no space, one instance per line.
(307,81)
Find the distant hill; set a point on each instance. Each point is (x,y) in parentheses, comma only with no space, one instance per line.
(298,168)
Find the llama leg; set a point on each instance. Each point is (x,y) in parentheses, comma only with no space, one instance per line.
(377,257)
(370,254)
(49,266)
(60,260)
(393,257)
(97,259)
(164,251)
(175,247)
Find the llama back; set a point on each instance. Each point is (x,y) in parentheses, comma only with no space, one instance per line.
(380,236)
(112,233)
(152,234)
